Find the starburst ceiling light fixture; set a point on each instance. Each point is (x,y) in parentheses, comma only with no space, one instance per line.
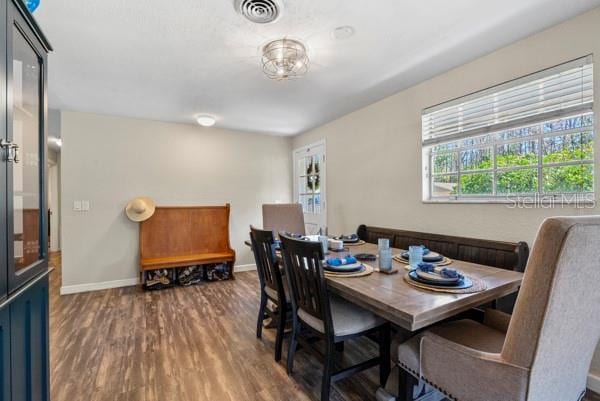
(284,59)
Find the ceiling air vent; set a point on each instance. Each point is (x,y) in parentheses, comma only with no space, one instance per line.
(259,11)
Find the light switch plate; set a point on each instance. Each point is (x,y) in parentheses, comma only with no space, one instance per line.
(85,205)
(77,206)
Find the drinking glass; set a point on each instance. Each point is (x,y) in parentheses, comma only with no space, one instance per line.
(383,243)
(415,255)
(385,259)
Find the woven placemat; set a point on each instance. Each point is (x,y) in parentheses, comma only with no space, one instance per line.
(478,286)
(368,270)
(444,262)
(359,242)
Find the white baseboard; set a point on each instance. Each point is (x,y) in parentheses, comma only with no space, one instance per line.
(244,268)
(105,285)
(593,382)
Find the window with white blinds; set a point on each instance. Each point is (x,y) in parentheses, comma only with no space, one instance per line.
(530,136)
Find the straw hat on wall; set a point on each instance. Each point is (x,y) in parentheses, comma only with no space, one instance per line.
(140,209)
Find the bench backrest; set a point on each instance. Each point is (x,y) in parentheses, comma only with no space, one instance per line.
(177,231)
(504,255)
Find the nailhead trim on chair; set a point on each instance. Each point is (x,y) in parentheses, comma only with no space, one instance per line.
(448,395)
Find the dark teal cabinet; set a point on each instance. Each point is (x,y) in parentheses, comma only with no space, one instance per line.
(29,344)
(24,346)
(3,164)
(5,354)
(25,149)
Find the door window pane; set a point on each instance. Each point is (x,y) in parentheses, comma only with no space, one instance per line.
(26,134)
(313,183)
(307,203)
(302,185)
(317,203)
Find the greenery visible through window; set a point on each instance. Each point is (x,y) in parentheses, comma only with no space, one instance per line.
(553,157)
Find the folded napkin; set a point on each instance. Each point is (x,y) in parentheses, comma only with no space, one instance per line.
(348,260)
(425,249)
(294,235)
(442,271)
(348,238)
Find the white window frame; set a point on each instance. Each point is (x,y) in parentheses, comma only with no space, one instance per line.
(493,142)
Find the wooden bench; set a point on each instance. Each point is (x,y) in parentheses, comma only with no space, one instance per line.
(186,236)
(504,255)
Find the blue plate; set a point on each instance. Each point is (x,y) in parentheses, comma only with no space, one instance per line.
(351,268)
(340,269)
(461,284)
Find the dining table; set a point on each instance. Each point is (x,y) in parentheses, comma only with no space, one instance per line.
(392,298)
(412,308)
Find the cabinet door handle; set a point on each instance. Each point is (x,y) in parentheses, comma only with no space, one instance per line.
(16,159)
(12,151)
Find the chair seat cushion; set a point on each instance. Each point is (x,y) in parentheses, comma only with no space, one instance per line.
(465,332)
(347,317)
(273,293)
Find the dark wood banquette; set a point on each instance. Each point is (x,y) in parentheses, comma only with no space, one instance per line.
(504,255)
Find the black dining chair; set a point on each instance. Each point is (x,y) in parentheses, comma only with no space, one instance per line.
(272,285)
(318,313)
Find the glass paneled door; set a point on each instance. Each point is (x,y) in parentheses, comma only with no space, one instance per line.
(25,155)
(309,185)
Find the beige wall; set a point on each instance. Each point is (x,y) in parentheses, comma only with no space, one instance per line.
(374,154)
(383,144)
(110,160)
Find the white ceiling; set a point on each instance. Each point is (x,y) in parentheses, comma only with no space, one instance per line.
(170,60)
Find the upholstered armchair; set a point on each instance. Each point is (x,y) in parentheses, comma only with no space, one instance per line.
(542,353)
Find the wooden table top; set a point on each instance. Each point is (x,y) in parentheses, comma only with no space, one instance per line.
(390,297)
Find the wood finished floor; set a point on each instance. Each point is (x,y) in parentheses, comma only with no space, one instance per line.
(182,344)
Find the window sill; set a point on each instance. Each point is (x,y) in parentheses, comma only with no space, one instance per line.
(525,201)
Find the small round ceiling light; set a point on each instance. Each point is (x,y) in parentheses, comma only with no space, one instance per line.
(343,32)
(284,59)
(206,120)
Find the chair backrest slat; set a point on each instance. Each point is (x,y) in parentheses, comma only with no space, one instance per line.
(304,270)
(267,266)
